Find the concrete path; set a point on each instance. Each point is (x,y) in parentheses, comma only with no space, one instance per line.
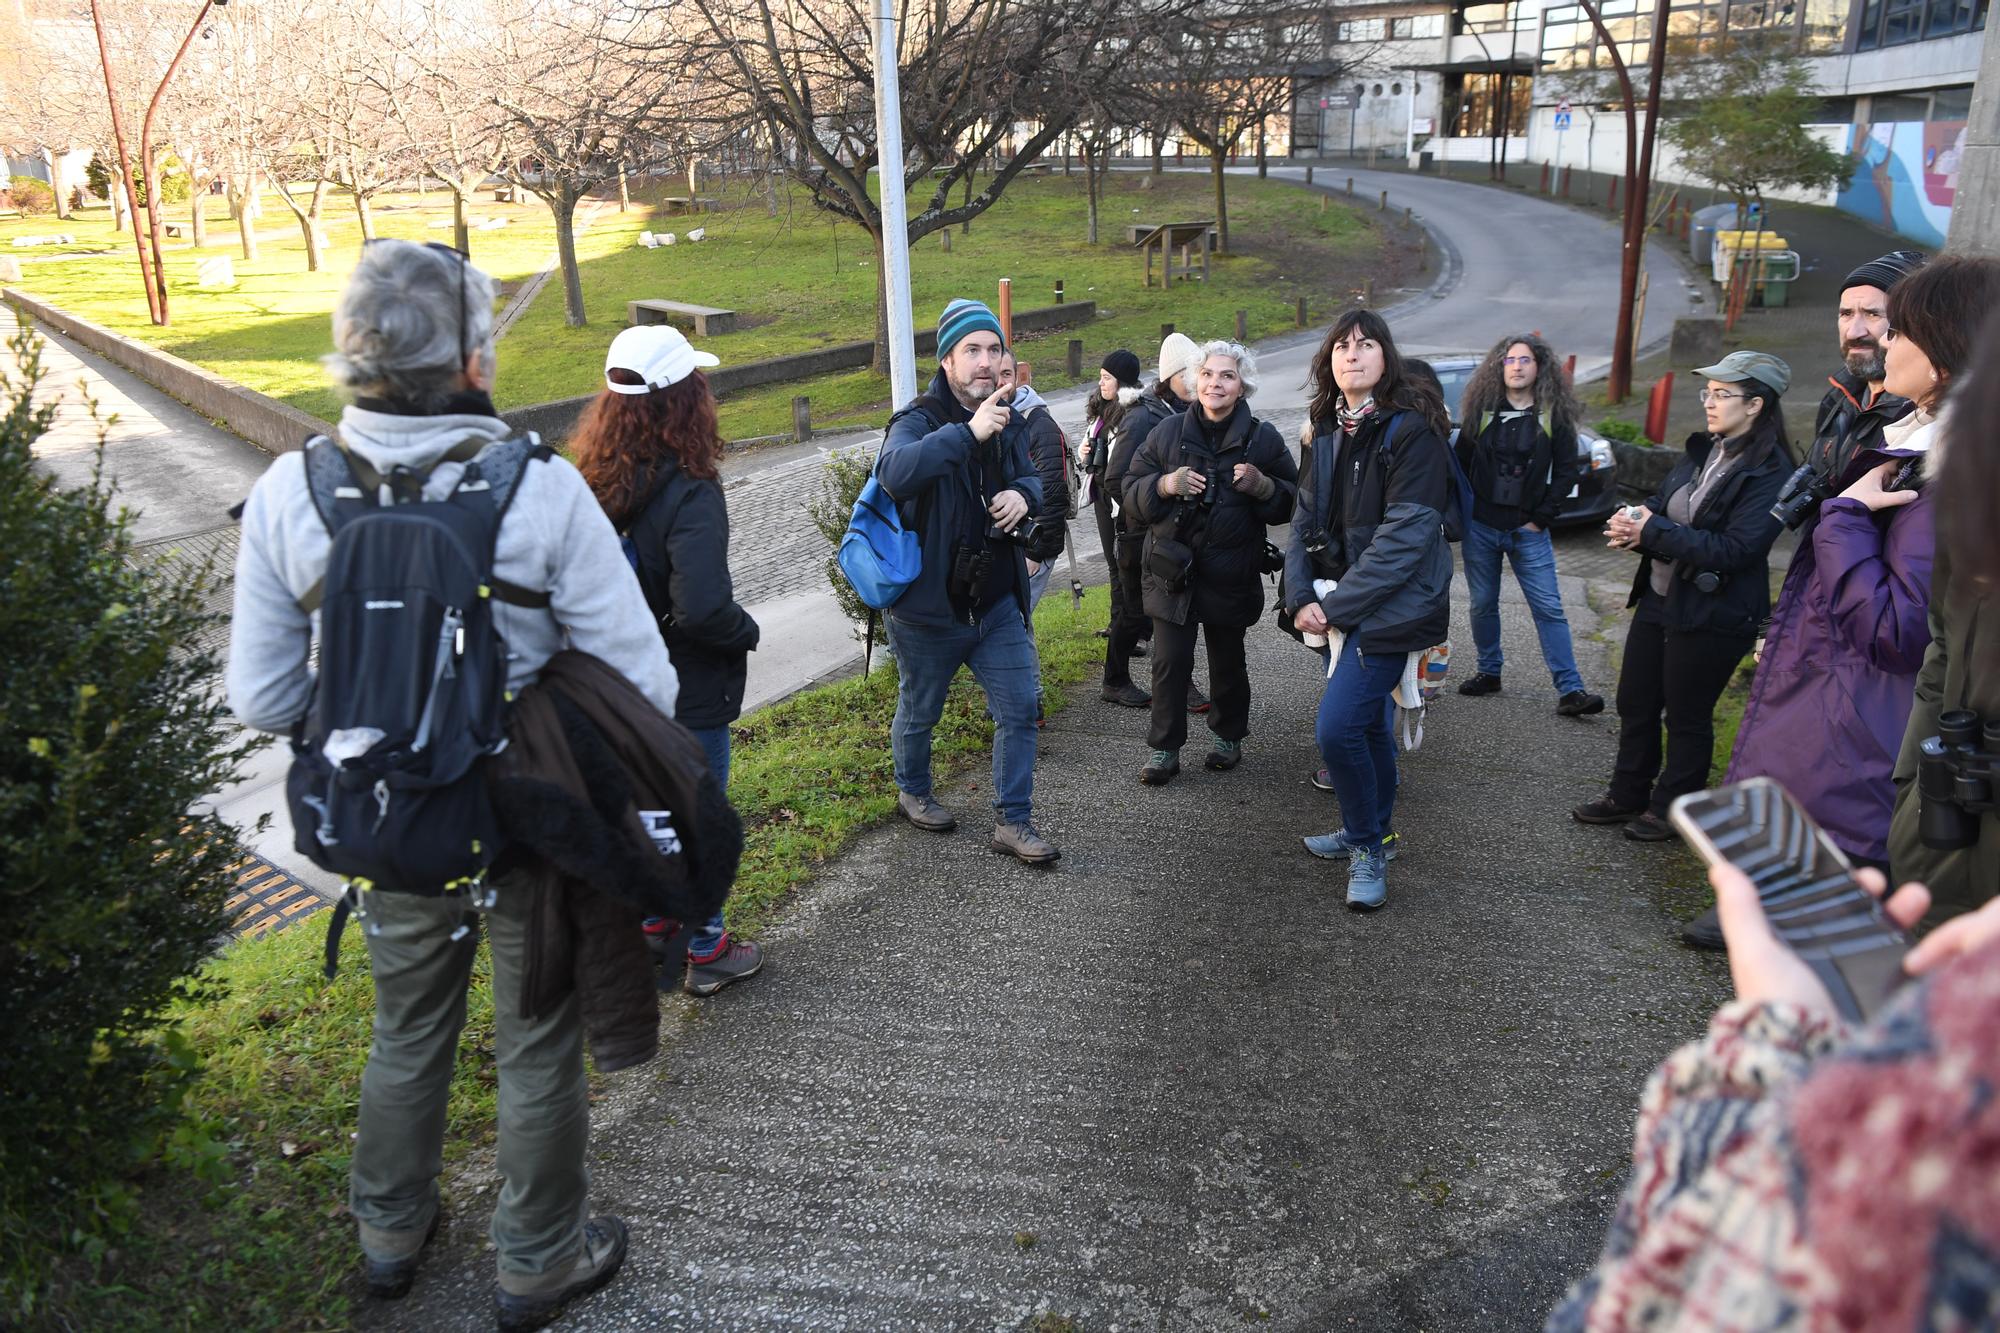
(1171,1084)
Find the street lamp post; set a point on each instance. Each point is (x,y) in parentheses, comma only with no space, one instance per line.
(155,188)
(895,223)
(125,165)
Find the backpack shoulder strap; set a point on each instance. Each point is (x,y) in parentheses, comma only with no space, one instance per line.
(498,469)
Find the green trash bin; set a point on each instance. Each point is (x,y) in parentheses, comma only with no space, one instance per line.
(1775,277)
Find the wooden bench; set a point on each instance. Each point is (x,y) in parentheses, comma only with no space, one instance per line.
(680,203)
(1181,236)
(1138,231)
(702,320)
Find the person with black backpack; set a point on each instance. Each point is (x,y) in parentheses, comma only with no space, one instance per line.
(651,449)
(441,560)
(1368,566)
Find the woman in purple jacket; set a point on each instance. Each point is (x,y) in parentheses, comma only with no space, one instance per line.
(1833,688)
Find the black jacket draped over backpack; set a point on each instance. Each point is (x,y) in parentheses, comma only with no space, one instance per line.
(682,540)
(1730,537)
(1225,527)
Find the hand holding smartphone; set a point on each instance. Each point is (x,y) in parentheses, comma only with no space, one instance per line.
(1808,891)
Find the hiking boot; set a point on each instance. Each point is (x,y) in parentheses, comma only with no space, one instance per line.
(1603,810)
(1127,695)
(1139,649)
(1481,683)
(1223,755)
(1322,779)
(925,813)
(1197,701)
(1336,846)
(665,939)
(1367,889)
(1579,703)
(1649,827)
(1160,769)
(1021,842)
(734,960)
(1705,932)
(522,1301)
(1104,633)
(389,1279)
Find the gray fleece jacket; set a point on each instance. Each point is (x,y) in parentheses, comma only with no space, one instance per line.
(554,537)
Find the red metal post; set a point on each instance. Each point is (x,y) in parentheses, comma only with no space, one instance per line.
(1656,408)
(125,162)
(1007,310)
(156,188)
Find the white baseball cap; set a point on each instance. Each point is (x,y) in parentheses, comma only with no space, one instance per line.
(659,354)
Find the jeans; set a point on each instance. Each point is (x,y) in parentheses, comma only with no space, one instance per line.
(421,974)
(1002,659)
(704,943)
(1679,677)
(1533,556)
(1038,583)
(1356,743)
(1173,671)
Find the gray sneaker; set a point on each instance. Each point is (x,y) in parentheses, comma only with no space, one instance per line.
(522,1302)
(925,813)
(1367,889)
(1023,843)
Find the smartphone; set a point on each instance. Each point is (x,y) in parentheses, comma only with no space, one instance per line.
(1808,889)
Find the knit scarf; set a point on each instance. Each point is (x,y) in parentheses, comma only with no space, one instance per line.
(1350,419)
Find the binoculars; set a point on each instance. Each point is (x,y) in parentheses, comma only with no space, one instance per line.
(1956,770)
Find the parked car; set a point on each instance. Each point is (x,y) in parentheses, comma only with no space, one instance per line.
(1593,498)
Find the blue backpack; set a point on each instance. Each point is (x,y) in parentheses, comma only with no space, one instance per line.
(879,555)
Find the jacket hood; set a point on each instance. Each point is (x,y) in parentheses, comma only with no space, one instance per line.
(1027,400)
(387,440)
(1128,395)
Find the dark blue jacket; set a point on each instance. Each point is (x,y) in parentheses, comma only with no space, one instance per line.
(928,463)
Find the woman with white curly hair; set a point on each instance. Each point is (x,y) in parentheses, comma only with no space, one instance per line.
(1207,483)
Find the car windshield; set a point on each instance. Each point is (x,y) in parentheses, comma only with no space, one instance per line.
(1453,379)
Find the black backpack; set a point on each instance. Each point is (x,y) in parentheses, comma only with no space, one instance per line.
(388,785)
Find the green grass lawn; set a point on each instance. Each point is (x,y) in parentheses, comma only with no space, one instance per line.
(248,1230)
(800,281)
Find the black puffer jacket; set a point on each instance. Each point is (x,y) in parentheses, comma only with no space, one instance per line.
(1844,427)
(1227,532)
(1730,536)
(1375,507)
(1144,416)
(682,541)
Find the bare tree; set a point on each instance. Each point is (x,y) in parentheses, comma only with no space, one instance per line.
(578,104)
(440,91)
(974,74)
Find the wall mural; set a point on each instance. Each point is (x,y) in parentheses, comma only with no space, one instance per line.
(1905,176)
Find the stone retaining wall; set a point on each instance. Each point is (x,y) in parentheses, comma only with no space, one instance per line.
(264,421)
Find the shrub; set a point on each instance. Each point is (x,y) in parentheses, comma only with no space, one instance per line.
(176,191)
(1628,432)
(112,880)
(31,196)
(846,474)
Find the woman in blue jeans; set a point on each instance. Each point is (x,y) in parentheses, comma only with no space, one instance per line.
(1367,566)
(1517,443)
(651,450)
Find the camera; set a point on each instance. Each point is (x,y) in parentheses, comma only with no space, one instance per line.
(1026,533)
(1804,492)
(1956,770)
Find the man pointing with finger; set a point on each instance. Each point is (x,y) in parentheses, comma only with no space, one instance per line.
(956,460)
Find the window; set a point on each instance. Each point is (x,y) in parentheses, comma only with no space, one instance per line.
(1360,30)
(1395,90)
(1492,18)
(1418,26)
(1951,104)
(1472,101)
(1895,22)
(1826,26)
(1378,90)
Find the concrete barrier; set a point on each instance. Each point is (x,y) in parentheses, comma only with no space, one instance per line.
(264,421)
(555,420)
(1641,468)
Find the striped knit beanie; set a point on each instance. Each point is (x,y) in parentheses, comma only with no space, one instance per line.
(962,317)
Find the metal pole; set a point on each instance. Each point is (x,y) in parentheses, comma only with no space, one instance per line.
(895,222)
(125,161)
(1631,301)
(156,188)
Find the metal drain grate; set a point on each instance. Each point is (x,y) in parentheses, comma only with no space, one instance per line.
(175,557)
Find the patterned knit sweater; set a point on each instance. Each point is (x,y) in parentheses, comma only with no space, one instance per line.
(1789,1174)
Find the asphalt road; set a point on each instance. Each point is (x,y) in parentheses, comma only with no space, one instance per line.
(1171,1084)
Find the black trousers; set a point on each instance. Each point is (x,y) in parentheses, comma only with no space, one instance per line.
(1173,669)
(1677,678)
(1129,622)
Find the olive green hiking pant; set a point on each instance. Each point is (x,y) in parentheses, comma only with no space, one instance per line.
(421,975)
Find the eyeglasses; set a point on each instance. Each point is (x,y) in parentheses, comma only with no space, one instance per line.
(1890,333)
(464,263)
(1718,396)
(1517,361)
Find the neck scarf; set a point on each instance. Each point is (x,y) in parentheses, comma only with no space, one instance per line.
(1349,418)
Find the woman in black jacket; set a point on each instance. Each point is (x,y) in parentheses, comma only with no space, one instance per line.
(1367,561)
(1206,484)
(1702,590)
(651,450)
